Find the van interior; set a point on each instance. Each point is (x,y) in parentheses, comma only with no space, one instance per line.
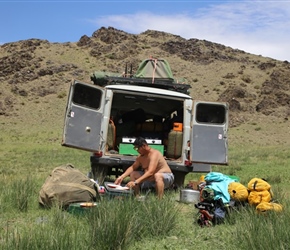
(152,117)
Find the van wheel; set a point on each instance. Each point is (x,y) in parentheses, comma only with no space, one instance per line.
(179,178)
(99,173)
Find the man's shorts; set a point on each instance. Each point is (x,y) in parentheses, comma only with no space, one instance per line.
(168,179)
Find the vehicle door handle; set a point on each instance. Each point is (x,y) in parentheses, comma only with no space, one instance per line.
(71,114)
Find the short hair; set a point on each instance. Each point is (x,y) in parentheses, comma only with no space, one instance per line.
(139,142)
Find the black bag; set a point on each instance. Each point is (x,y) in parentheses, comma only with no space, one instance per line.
(211,213)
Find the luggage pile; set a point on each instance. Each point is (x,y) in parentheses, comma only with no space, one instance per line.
(153,72)
(220,194)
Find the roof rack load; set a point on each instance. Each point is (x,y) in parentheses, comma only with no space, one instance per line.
(150,73)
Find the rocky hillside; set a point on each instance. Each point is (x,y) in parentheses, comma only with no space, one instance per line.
(35,74)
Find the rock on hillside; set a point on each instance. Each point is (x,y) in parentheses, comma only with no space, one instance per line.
(253,85)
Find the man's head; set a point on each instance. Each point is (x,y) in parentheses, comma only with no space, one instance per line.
(139,142)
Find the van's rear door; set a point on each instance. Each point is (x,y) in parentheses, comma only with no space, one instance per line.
(209,140)
(83,117)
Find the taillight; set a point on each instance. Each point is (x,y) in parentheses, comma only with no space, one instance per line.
(98,154)
(187,163)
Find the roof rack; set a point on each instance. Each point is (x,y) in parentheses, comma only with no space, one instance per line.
(167,84)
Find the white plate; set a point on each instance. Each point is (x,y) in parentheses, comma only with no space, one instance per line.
(113,185)
(119,187)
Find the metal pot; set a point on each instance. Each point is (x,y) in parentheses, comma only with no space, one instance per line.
(189,196)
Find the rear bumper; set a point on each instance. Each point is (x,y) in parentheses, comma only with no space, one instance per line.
(127,161)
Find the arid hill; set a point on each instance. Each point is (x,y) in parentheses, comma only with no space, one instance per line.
(35,74)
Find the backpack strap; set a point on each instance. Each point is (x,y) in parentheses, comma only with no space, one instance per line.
(255,184)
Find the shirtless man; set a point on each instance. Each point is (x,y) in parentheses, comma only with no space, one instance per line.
(154,169)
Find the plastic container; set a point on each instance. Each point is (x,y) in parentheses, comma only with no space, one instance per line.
(177,126)
(174,147)
(111,137)
(81,208)
(117,193)
(128,149)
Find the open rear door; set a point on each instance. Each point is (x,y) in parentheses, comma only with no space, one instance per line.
(209,140)
(83,117)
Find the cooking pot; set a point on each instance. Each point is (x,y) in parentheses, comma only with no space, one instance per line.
(189,196)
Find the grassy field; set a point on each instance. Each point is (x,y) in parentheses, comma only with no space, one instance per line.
(33,99)
(27,157)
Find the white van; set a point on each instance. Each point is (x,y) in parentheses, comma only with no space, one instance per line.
(105,120)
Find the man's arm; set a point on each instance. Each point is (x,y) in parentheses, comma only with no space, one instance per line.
(128,171)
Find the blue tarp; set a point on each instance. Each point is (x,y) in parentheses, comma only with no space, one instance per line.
(219,183)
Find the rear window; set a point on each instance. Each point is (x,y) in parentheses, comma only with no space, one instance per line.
(210,113)
(87,96)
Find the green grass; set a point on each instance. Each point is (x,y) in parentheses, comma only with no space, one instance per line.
(28,157)
(268,231)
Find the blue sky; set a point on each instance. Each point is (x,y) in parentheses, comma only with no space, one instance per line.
(257,27)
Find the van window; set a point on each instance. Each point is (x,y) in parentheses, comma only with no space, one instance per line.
(87,96)
(210,113)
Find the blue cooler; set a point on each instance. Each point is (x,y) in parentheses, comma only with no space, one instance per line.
(117,191)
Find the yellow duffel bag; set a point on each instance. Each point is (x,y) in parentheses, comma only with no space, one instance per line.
(238,191)
(256,197)
(268,206)
(258,184)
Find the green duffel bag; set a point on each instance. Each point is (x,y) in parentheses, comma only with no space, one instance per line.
(100,78)
(66,185)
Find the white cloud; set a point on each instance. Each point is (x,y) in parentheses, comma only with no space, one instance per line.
(257,27)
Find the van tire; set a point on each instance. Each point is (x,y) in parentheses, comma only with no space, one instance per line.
(99,173)
(179,178)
